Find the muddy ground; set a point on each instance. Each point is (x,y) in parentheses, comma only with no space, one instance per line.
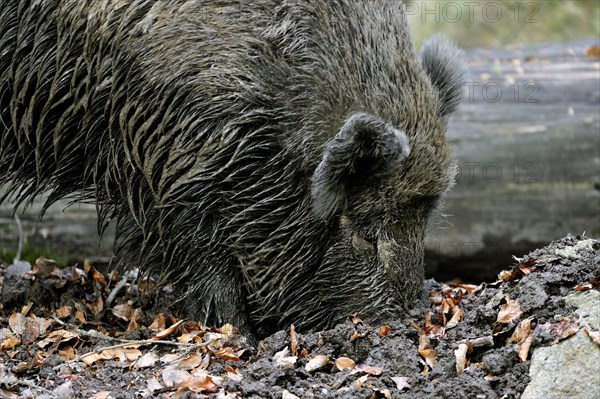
(70,333)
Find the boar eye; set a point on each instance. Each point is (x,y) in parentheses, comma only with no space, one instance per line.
(364,242)
(371,239)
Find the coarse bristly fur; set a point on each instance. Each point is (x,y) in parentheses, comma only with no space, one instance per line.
(278,160)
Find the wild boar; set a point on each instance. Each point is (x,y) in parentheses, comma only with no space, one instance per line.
(277,160)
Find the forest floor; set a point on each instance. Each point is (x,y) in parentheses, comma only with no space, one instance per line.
(76,333)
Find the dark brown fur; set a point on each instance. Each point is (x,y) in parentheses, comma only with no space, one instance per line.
(278,160)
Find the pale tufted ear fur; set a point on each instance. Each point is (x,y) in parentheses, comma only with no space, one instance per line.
(446,66)
(365,149)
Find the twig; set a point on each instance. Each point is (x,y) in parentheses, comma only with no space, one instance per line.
(113,294)
(30,384)
(480,341)
(125,342)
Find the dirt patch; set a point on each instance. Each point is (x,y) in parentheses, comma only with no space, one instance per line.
(463,342)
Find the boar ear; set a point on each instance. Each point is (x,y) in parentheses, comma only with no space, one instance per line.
(446,66)
(365,150)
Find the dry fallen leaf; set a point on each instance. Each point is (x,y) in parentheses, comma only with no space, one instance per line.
(43,267)
(461,358)
(344,363)
(213,336)
(147,360)
(17,323)
(427,318)
(63,312)
(355,319)
(525,345)
(285,394)
(519,270)
(102,395)
(8,340)
(158,323)
(357,335)
(303,353)
(34,362)
(7,377)
(522,331)
(201,381)
(294,341)
(359,382)
(507,275)
(228,329)
(190,337)
(456,317)
(191,361)
(25,309)
(426,351)
(434,331)
(468,288)
(452,297)
(281,358)
(198,381)
(123,311)
(528,266)
(80,316)
(67,352)
(564,329)
(8,394)
(153,385)
(29,328)
(401,382)
(93,274)
(435,297)
(594,335)
(57,336)
(316,363)
(173,377)
(584,287)
(123,354)
(363,368)
(67,275)
(383,331)
(169,331)
(509,311)
(225,353)
(96,308)
(233,373)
